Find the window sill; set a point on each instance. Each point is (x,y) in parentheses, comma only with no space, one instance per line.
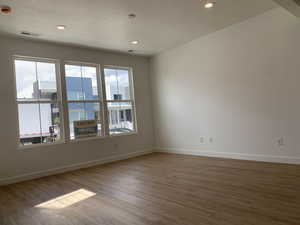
(124,134)
(24,147)
(75,140)
(101,137)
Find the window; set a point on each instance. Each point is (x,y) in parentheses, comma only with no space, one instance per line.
(119,100)
(96,104)
(83,100)
(39,101)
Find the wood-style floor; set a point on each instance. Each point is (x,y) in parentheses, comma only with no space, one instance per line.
(159,189)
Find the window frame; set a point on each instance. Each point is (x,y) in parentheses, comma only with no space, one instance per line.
(59,100)
(131,100)
(62,99)
(100,100)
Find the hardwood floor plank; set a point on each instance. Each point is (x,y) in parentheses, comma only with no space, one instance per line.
(160,189)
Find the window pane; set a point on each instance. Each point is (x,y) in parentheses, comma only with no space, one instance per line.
(120,118)
(93,113)
(117,84)
(46,89)
(123,84)
(36,81)
(74,83)
(82,112)
(76,113)
(111,84)
(29,124)
(89,83)
(26,79)
(50,122)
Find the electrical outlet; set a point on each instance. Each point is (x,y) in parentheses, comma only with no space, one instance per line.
(211,140)
(280,142)
(201,140)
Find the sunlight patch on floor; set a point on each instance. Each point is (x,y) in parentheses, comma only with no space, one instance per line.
(67,199)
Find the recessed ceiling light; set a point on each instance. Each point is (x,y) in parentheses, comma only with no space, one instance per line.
(61,27)
(5,10)
(209,5)
(134,42)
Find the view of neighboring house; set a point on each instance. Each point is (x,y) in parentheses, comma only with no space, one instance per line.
(79,88)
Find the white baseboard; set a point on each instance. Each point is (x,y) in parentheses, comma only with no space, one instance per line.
(34,175)
(241,156)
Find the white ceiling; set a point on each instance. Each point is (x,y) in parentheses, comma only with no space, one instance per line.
(160,24)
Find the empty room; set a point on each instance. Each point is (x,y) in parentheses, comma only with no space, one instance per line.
(158,112)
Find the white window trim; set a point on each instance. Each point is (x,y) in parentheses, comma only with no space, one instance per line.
(59,100)
(132,99)
(99,101)
(63,102)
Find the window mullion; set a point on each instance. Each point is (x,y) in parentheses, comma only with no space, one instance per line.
(39,104)
(105,107)
(101,100)
(81,81)
(64,104)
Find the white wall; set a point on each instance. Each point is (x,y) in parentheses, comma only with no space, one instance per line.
(239,85)
(15,162)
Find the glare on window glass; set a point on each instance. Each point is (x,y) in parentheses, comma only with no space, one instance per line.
(26,80)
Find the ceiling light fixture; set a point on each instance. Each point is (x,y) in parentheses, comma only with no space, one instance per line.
(61,27)
(5,10)
(134,42)
(209,5)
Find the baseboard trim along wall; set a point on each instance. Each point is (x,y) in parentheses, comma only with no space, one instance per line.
(30,176)
(240,156)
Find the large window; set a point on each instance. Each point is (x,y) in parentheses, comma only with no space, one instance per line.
(83,100)
(119,100)
(39,101)
(96,104)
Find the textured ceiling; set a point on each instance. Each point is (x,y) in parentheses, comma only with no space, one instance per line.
(104,24)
